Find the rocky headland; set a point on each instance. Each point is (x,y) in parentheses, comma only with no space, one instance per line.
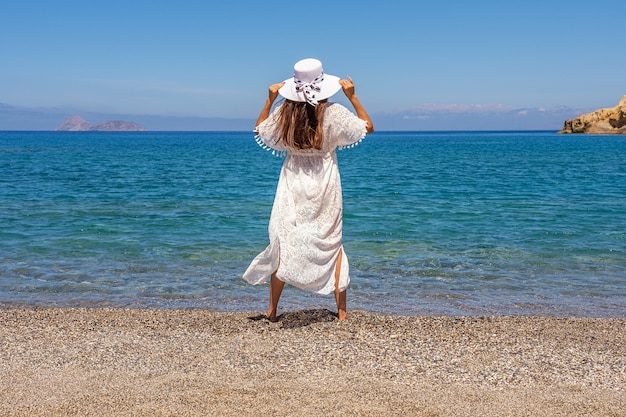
(78,124)
(608,121)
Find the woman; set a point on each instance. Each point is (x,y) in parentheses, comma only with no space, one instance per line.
(305,227)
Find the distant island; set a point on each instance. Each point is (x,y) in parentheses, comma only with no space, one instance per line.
(609,121)
(78,124)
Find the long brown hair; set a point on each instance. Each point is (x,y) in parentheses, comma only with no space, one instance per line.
(301,125)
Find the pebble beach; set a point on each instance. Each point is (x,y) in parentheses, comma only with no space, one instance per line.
(191,362)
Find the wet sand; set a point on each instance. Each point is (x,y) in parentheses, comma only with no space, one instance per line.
(128,362)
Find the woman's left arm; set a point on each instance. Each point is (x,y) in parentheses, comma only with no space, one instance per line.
(348,89)
(267,107)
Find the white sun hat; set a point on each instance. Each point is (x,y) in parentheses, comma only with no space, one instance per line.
(309,83)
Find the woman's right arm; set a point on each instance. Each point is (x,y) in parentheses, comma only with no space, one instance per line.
(348,89)
(267,107)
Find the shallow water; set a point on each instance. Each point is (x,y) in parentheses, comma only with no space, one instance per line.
(434,223)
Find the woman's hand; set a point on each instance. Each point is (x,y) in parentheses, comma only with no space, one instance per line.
(347,86)
(273,90)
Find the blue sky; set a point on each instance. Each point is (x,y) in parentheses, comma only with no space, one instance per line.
(416,64)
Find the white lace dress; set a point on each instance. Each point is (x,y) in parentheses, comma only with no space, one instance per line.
(305,228)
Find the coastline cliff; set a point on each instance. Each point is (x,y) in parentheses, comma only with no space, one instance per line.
(608,121)
(78,124)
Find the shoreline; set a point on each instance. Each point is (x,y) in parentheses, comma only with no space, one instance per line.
(119,361)
(290,304)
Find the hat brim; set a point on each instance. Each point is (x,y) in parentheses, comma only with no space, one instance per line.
(328,88)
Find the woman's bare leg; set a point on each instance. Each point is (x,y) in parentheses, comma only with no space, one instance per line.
(340,296)
(276,288)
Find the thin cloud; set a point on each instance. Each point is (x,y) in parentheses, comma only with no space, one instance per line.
(474,117)
(429,110)
(455,108)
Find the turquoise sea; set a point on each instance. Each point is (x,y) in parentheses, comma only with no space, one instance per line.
(434,223)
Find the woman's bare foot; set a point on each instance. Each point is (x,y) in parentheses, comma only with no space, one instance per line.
(272,317)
